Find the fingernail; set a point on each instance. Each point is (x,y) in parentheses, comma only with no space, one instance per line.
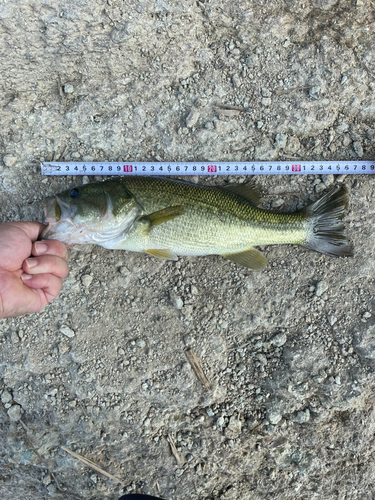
(40,247)
(31,262)
(25,276)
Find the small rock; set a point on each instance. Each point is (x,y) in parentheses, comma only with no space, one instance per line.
(279,339)
(120,351)
(341,178)
(9,160)
(314,92)
(236,81)
(277,203)
(176,300)
(280,140)
(343,79)
(358,148)
(303,416)
(68,89)
(262,359)
(220,422)
(14,413)
(192,118)
(140,343)
(234,427)
(293,145)
(86,280)
(68,332)
(321,287)
(328,179)
(340,129)
(266,92)
(15,338)
(274,417)
(6,397)
(47,480)
(370,134)
(332,320)
(266,101)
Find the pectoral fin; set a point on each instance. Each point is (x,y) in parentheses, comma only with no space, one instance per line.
(164,215)
(250,258)
(161,254)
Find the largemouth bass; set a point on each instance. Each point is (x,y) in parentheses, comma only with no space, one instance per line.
(166,218)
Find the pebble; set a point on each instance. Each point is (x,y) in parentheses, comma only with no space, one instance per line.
(281,140)
(279,339)
(314,92)
(86,280)
(332,320)
(277,203)
(293,145)
(176,300)
(14,413)
(358,148)
(68,332)
(220,422)
(192,118)
(303,416)
(370,134)
(68,88)
(6,397)
(9,160)
(274,417)
(234,427)
(266,101)
(328,179)
(321,287)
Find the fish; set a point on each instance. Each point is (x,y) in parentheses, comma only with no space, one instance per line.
(167,218)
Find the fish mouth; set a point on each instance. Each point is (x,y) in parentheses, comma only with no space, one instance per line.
(58,214)
(57,210)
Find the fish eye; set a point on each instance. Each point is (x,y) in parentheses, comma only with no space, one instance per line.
(74,193)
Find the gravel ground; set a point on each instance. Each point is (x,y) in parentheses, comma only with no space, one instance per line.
(289,351)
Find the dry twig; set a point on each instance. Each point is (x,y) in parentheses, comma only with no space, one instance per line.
(179,459)
(91,464)
(193,360)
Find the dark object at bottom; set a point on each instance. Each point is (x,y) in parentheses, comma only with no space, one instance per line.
(135,496)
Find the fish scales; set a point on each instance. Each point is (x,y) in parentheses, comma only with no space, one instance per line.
(216,221)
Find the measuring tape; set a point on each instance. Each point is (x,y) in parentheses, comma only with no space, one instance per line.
(208,168)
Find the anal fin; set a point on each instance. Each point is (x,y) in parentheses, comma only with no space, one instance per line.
(251,258)
(161,254)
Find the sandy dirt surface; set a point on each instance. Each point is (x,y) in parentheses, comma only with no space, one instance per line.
(289,351)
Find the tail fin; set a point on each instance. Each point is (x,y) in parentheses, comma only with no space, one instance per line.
(326,231)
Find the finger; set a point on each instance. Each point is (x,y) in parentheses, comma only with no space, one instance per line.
(50,247)
(49,284)
(49,264)
(32,229)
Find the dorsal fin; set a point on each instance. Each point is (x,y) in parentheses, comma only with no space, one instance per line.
(248,190)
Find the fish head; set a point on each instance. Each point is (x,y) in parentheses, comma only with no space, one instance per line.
(93,213)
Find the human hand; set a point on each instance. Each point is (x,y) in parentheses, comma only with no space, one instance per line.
(31,272)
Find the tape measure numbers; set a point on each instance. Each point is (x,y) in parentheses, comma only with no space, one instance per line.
(207,168)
